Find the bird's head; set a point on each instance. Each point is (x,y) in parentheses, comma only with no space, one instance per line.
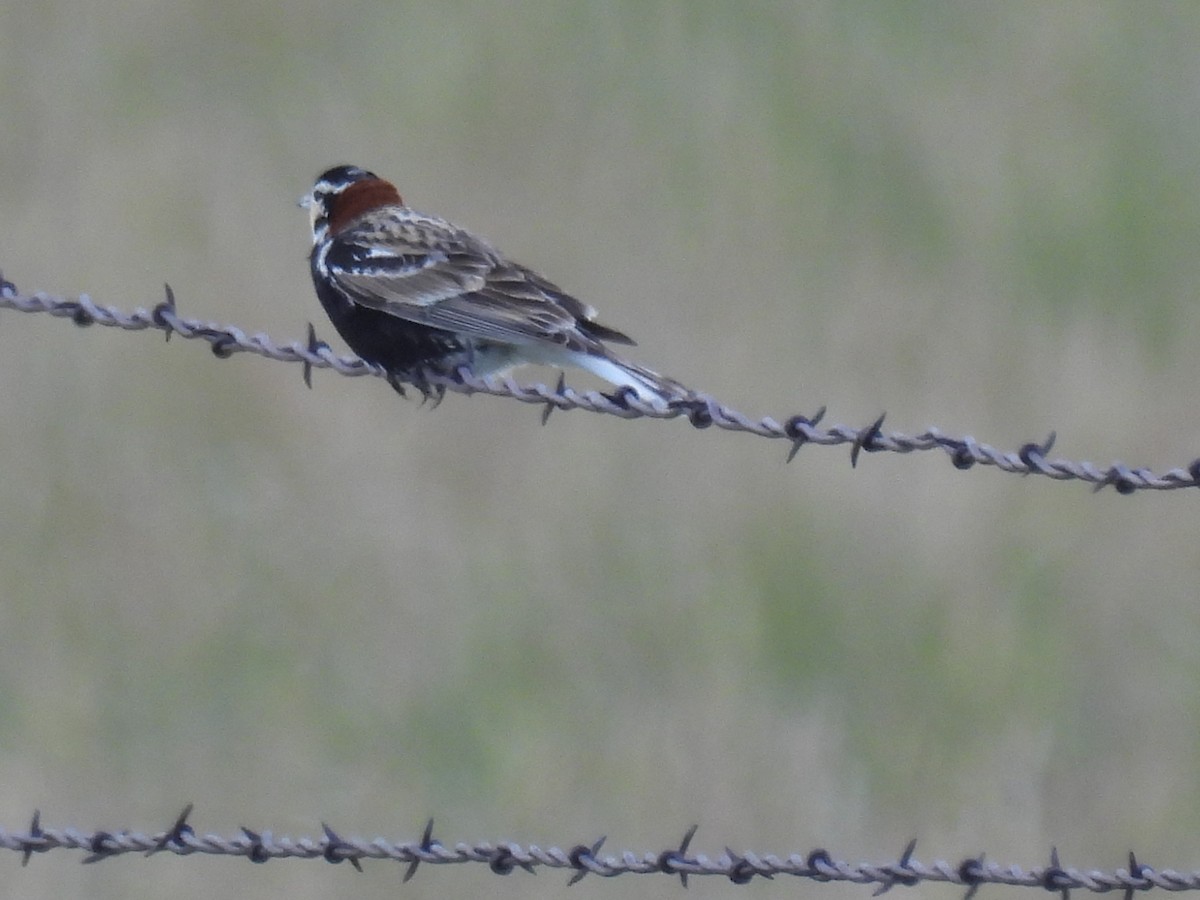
(342,194)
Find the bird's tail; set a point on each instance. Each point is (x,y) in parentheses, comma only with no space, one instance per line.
(648,384)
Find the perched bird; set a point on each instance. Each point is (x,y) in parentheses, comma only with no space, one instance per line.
(412,293)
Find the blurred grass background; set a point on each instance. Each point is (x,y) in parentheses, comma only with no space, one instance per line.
(293,606)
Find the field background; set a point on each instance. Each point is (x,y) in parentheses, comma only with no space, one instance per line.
(291,606)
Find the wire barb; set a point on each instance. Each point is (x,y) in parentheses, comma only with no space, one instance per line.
(1034,455)
(1054,877)
(900,873)
(741,870)
(503,860)
(550,407)
(426,847)
(668,861)
(176,833)
(970,873)
(799,429)
(255,848)
(583,857)
(164,312)
(820,865)
(33,843)
(314,348)
(103,845)
(867,439)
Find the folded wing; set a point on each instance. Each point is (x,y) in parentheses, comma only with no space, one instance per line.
(424,270)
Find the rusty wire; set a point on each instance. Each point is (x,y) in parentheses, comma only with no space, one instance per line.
(700,409)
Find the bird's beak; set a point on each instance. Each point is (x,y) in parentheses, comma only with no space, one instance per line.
(305,202)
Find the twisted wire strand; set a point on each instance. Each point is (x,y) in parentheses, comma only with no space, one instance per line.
(701,410)
(505,857)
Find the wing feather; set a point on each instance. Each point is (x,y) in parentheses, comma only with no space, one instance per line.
(425,270)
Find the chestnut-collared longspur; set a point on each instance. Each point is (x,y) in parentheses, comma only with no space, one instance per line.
(413,293)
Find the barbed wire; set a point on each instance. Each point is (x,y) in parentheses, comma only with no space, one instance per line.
(701,410)
(505,857)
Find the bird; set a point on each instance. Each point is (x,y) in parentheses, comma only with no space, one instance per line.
(413,293)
